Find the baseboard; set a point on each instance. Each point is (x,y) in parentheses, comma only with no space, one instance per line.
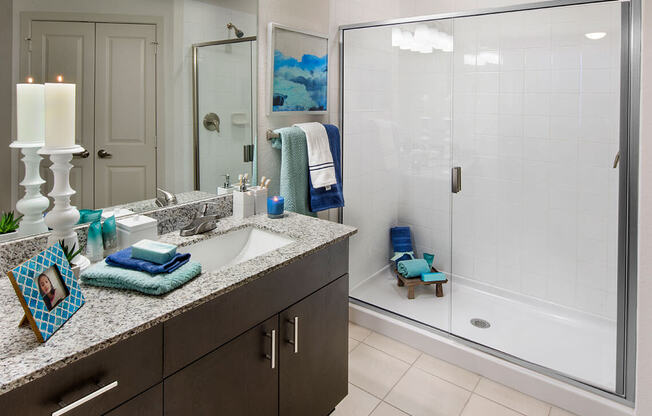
(542,387)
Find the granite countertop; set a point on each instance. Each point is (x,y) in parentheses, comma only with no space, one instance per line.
(111,315)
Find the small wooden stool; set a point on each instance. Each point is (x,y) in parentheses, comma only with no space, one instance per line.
(413,282)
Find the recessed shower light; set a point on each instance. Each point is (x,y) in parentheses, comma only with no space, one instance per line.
(595,35)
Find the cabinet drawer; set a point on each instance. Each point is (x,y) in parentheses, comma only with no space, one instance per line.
(197,332)
(135,364)
(147,403)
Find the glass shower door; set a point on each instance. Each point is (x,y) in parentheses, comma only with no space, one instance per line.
(225,110)
(535,224)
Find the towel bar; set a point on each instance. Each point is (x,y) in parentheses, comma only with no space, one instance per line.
(272,135)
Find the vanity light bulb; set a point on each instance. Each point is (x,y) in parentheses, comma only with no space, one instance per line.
(30,80)
(59,78)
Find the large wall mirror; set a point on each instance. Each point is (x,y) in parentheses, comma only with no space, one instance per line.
(165,94)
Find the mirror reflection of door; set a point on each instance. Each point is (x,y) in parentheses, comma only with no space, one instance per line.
(114,69)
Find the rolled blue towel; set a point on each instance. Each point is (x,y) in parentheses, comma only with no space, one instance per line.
(103,275)
(413,268)
(124,260)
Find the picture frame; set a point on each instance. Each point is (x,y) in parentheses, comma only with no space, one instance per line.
(47,290)
(298,71)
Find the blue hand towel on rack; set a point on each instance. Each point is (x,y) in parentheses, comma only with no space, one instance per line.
(329,197)
(124,260)
(294,169)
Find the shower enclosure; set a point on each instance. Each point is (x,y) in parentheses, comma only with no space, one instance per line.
(224,102)
(502,139)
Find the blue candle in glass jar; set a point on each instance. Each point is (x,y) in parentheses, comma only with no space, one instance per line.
(275,206)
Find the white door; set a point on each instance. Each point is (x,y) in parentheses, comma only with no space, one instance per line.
(125,113)
(68,49)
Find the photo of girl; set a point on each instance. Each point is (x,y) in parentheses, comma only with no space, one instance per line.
(51,287)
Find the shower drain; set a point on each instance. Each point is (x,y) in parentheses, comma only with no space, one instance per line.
(480,323)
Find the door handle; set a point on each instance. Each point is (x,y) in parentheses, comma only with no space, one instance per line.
(81,155)
(66,408)
(272,356)
(103,154)
(617,159)
(295,340)
(457,179)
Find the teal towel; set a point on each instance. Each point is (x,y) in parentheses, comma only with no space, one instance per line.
(429,258)
(433,277)
(294,169)
(102,274)
(413,268)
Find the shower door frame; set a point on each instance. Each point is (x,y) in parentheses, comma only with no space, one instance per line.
(195,101)
(628,191)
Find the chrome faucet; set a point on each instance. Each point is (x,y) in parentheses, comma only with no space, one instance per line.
(201,223)
(167,199)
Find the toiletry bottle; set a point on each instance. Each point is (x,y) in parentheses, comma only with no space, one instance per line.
(94,244)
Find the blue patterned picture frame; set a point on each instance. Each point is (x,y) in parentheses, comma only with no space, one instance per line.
(24,278)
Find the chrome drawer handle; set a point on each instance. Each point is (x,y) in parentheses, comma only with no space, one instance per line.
(271,357)
(85,399)
(295,341)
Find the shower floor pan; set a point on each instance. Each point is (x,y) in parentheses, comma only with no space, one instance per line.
(577,344)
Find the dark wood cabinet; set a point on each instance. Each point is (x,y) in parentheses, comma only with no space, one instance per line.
(237,379)
(313,358)
(277,345)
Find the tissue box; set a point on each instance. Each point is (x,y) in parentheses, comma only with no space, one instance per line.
(154,251)
(243,204)
(135,228)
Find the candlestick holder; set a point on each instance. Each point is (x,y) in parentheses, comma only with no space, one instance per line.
(63,217)
(33,203)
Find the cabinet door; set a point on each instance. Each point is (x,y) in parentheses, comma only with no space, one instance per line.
(314,352)
(147,403)
(239,378)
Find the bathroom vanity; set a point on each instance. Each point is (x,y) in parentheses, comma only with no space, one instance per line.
(263,334)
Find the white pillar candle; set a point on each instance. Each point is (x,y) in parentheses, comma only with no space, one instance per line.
(59,114)
(30,112)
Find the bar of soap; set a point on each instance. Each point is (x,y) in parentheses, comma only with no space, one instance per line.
(154,251)
(433,277)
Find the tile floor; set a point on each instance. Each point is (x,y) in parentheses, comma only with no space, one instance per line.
(389,378)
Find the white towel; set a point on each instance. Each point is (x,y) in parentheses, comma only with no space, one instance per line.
(320,159)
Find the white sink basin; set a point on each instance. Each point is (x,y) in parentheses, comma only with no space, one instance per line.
(234,247)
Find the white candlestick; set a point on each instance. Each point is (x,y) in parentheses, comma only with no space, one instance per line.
(59,114)
(30,113)
(63,217)
(33,203)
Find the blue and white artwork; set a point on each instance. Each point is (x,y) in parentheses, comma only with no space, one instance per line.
(300,72)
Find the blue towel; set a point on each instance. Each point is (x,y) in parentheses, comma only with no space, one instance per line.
(101,274)
(413,268)
(433,277)
(294,169)
(401,238)
(124,260)
(320,198)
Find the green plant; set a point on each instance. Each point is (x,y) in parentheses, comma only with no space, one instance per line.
(8,223)
(70,252)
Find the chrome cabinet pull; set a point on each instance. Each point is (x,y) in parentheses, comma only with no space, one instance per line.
(295,340)
(85,399)
(272,357)
(457,179)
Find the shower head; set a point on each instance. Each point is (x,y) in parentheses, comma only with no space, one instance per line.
(239,33)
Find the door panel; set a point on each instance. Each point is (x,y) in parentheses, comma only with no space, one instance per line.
(314,352)
(125,108)
(235,379)
(68,49)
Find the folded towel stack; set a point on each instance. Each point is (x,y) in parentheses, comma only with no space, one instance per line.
(124,259)
(104,275)
(413,268)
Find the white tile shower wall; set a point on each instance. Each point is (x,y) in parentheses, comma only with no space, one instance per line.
(535,113)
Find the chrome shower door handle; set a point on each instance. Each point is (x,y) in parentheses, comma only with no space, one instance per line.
(456,179)
(295,341)
(272,355)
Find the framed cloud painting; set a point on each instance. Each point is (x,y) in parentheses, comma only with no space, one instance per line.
(299,71)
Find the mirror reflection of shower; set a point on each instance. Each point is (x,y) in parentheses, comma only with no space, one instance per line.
(239,33)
